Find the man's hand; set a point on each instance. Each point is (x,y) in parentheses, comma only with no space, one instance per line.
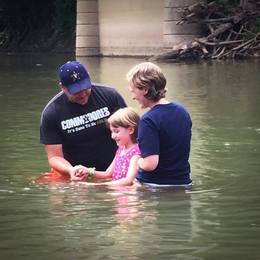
(78,173)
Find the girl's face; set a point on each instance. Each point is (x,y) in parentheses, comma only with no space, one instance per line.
(122,135)
(139,95)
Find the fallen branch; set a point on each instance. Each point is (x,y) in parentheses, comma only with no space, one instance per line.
(201,40)
(227,36)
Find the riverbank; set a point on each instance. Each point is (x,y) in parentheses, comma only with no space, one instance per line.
(232,35)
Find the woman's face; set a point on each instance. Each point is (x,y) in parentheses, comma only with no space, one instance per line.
(139,95)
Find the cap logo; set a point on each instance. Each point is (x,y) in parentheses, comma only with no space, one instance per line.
(75,76)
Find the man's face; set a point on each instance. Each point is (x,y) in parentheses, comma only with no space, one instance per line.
(79,97)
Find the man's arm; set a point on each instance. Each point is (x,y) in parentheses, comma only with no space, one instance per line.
(56,159)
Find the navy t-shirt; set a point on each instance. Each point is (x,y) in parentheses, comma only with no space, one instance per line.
(165,130)
(81,129)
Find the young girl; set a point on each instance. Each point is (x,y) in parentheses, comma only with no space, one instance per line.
(123,169)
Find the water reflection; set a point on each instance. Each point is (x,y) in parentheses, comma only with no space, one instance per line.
(122,223)
(217,219)
(145,230)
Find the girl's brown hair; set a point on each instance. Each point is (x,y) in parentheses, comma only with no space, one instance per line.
(125,117)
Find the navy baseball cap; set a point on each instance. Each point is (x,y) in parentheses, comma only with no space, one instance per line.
(74,76)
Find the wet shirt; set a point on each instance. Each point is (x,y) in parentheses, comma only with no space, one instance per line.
(165,130)
(122,161)
(81,129)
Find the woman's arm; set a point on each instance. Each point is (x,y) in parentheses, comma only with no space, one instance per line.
(149,142)
(149,163)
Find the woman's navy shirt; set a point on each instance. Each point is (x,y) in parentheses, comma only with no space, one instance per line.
(165,130)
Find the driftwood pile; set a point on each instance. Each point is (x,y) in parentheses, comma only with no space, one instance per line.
(226,36)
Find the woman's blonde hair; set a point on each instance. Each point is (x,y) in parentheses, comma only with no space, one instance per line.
(148,75)
(125,117)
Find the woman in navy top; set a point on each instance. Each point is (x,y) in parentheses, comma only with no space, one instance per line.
(164,133)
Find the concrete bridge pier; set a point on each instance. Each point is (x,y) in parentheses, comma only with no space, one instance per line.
(132,28)
(174,34)
(87,28)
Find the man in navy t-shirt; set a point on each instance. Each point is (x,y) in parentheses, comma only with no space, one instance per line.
(73,123)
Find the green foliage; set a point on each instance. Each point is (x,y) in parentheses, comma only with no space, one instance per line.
(65,19)
(29,25)
(257,25)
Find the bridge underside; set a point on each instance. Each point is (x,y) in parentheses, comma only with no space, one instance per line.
(130,28)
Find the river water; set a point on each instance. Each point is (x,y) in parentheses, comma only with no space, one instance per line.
(218,219)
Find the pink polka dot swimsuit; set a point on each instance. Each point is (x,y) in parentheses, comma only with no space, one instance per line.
(122,161)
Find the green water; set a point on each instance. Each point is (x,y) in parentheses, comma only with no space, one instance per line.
(218,219)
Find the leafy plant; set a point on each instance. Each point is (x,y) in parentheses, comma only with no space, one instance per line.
(28,25)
